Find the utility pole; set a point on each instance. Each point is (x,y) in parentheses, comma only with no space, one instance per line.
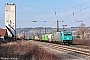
(24,34)
(20,30)
(45,30)
(57,26)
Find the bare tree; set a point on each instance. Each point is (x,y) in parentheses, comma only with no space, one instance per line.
(82,30)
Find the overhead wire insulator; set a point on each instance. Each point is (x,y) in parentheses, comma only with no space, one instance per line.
(34,21)
(73,13)
(55,12)
(80,7)
(44,21)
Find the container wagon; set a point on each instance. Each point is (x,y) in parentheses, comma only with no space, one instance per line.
(44,37)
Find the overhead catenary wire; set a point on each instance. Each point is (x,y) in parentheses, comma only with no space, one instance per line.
(79,21)
(37,21)
(73,13)
(67,16)
(76,13)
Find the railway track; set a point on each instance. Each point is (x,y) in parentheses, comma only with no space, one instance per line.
(84,52)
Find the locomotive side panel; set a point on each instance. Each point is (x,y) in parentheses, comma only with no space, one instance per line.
(56,37)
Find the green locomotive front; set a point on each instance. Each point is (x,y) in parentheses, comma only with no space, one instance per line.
(63,37)
(66,37)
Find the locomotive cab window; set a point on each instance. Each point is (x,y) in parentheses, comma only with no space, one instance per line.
(67,34)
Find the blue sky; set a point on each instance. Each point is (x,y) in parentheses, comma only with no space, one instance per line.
(44,10)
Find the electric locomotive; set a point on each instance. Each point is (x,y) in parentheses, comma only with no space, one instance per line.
(64,37)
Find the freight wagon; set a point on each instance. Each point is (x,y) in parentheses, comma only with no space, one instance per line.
(44,37)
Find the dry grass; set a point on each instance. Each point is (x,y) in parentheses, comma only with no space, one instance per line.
(82,41)
(26,51)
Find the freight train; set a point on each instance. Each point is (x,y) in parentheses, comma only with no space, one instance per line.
(63,37)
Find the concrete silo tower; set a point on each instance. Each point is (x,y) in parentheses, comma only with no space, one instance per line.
(10,18)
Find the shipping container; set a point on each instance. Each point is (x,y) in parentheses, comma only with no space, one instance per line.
(50,37)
